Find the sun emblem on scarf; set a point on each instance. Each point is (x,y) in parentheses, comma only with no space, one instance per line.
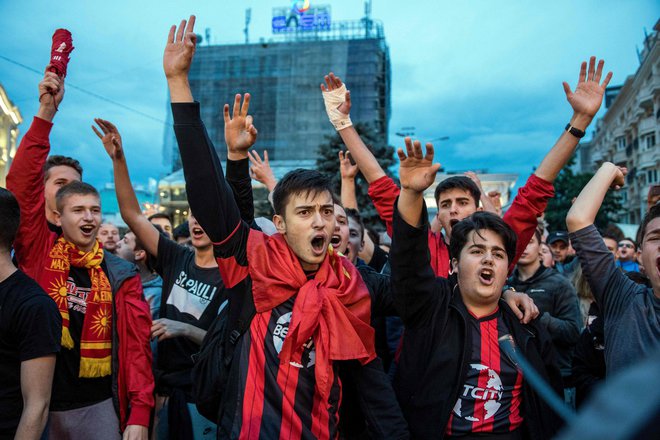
(101,323)
(58,291)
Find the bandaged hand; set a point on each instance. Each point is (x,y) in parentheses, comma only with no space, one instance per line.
(335,96)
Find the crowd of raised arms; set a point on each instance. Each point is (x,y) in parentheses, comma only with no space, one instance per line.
(479,324)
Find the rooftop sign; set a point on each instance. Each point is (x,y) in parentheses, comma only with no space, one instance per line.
(301,17)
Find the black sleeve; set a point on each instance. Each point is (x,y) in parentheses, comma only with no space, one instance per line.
(588,361)
(564,324)
(378,401)
(37,324)
(238,178)
(380,289)
(378,259)
(413,280)
(211,200)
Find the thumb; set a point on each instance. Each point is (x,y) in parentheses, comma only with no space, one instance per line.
(567,88)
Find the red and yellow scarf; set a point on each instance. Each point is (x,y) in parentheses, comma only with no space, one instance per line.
(333,308)
(95,340)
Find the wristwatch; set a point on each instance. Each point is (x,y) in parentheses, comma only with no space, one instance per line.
(574,131)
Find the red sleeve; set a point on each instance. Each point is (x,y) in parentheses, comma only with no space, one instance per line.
(527,206)
(26,181)
(383,193)
(134,324)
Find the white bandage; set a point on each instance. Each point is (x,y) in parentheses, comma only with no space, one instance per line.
(333,99)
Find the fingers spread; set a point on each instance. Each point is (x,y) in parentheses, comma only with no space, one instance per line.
(266,156)
(583,72)
(237,105)
(401,154)
(607,79)
(98,133)
(170,37)
(225,113)
(191,24)
(429,151)
(567,88)
(592,68)
(599,71)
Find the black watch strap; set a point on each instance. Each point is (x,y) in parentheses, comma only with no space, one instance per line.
(575,131)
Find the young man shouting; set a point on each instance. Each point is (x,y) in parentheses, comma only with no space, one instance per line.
(458,197)
(312,308)
(452,378)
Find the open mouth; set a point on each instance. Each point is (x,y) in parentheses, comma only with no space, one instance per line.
(196,232)
(87,229)
(487,276)
(318,244)
(453,222)
(335,240)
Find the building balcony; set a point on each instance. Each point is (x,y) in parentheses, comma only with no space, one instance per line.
(620,156)
(649,159)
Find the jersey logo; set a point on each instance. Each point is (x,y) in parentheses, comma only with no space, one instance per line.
(492,394)
(279,333)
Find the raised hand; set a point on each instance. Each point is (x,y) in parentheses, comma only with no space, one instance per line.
(333,82)
(588,95)
(240,132)
(261,171)
(619,178)
(110,137)
(180,49)
(51,93)
(347,170)
(417,170)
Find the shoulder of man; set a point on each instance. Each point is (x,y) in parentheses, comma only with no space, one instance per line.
(118,269)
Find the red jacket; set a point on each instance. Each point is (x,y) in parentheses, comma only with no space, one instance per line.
(132,354)
(527,206)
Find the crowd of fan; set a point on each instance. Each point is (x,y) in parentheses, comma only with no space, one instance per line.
(310,325)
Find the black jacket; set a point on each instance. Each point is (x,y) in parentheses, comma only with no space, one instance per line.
(557,301)
(436,347)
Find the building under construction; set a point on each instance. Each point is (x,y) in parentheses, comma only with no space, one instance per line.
(283,76)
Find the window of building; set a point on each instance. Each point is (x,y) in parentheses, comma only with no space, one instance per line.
(620,143)
(648,141)
(652,177)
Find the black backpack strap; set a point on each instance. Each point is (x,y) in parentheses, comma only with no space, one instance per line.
(241,311)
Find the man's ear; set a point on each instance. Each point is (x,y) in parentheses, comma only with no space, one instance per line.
(454,265)
(279,223)
(361,246)
(58,218)
(140,255)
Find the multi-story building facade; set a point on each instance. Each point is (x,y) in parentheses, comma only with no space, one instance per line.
(10,119)
(628,133)
(283,77)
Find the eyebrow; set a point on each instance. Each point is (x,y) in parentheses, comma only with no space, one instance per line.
(482,246)
(329,205)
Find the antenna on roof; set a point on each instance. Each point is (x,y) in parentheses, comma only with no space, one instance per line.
(367,18)
(248,16)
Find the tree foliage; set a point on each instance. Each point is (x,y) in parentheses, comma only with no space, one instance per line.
(568,186)
(328,163)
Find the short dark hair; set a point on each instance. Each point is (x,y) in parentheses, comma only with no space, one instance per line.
(609,235)
(299,181)
(10,217)
(355,215)
(538,235)
(459,182)
(56,161)
(74,188)
(181,231)
(160,215)
(477,222)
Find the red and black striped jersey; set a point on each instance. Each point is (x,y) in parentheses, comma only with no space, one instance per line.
(489,400)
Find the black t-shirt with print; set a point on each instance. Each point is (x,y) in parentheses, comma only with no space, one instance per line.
(69,390)
(191,294)
(30,328)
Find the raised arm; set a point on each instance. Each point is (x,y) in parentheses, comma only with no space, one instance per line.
(210,198)
(129,207)
(348,171)
(338,106)
(413,280)
(585,208)
(585,101)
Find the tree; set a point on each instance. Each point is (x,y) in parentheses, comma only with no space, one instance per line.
(328,163)
(567,186)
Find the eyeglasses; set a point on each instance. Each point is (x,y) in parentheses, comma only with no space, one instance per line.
(626,245)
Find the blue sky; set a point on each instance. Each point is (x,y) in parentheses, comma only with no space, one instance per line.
(486,73)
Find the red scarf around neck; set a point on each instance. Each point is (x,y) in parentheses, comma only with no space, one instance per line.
(95,340)
(333,308)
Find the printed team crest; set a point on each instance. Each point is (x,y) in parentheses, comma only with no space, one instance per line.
(59,291)
(101,323)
